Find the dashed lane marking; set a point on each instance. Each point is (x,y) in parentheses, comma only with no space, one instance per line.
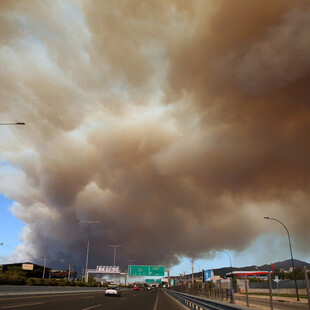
(91,307)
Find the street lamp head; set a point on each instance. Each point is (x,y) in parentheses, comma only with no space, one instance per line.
(266,217)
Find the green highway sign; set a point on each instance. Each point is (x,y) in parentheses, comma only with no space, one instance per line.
(149,280)
(144,270)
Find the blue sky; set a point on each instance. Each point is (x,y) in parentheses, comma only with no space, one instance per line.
(10,228)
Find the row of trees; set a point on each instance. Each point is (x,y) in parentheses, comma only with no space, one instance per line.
(16,276)
(299,274)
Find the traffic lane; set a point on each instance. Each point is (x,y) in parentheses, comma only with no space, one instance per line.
(82,301)
(53,301)
(135,300)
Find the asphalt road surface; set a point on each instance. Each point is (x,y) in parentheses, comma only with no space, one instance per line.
(137,300)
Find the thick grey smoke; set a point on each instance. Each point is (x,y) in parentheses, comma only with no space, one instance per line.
(179,123)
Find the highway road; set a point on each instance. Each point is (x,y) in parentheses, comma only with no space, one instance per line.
(137,300)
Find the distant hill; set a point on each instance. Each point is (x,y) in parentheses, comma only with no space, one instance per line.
(285,265)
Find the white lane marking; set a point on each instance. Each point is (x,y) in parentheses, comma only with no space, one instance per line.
(123,298)
(91,307)
(156,302)
(24,305)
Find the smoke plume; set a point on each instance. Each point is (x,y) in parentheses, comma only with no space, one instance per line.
(180,124)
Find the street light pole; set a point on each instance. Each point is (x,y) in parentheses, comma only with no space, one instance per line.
(88,241)
(17,123)
(232,298)
(130,260)
(229,259)
(289,242)
(115,246)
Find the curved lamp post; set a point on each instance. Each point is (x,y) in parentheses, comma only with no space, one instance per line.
(17,123)
(232,298)
(228,256)
(289,241)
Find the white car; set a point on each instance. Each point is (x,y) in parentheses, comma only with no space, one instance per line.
(112,290)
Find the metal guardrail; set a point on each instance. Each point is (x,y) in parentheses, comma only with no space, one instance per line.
(199,303)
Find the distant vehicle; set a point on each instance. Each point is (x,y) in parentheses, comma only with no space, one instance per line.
(112,290)
(136,287)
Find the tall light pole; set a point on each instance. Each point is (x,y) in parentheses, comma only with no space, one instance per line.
(87,251)
(232,298)
(289,242)
(131,260)
(115,246)
(229,258)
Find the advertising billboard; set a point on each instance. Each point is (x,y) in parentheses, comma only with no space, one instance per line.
(27,266)
(108,269)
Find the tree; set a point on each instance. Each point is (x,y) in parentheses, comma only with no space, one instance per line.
(13,276)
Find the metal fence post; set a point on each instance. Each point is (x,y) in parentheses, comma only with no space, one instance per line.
(307,284)
(270,290)
(232,299)
(221,290)
(246,291)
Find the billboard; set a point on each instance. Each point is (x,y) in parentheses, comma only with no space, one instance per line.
(144,270)
(108,269)
(27,266)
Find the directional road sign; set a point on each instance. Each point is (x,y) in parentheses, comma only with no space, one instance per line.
(143,270)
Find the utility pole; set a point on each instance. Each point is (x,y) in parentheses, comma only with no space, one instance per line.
(192,261)
(45,258)
(69,273)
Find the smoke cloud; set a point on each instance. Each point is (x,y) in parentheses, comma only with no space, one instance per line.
(180,124)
